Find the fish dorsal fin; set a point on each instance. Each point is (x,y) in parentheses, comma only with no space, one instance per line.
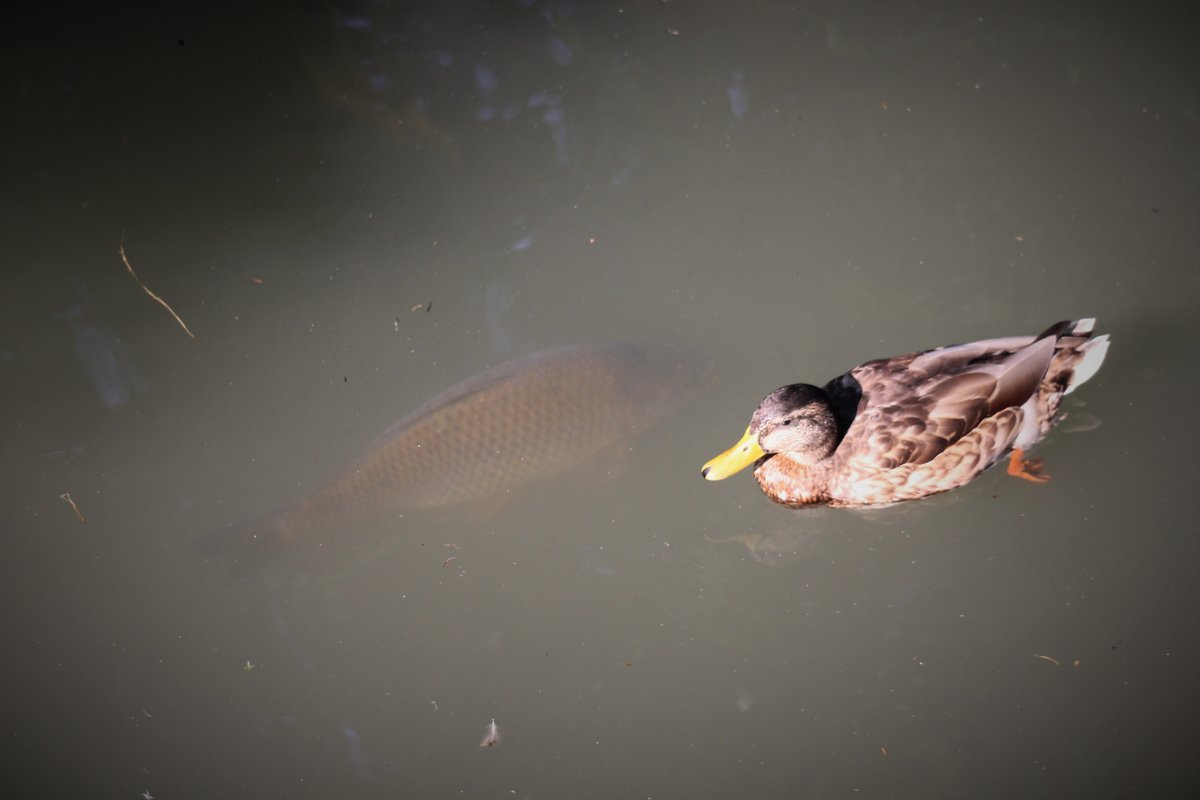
(452,396)
(501,373)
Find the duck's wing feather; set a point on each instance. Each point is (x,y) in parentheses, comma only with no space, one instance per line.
(958,464)
(914,407)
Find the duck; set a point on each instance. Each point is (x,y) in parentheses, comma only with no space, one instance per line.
(915,425)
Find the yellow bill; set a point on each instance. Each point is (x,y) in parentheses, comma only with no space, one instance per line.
(735,459)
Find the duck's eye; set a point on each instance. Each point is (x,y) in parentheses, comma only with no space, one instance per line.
(787,422)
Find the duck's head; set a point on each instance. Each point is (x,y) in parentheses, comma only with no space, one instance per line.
(796,421)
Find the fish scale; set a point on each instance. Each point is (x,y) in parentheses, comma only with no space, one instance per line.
(519,422)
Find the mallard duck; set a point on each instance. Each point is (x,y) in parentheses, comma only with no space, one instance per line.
(910,426)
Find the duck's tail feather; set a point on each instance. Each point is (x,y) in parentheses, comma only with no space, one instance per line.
(1077,357)
(1088,354)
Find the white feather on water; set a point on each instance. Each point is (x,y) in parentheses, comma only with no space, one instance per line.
(491,734)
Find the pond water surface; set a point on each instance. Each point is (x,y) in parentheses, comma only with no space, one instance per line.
(355,207)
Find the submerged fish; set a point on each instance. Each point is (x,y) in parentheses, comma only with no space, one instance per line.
(519,422)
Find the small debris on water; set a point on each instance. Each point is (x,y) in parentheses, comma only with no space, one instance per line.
(67,497)
(491,734)
(146,289)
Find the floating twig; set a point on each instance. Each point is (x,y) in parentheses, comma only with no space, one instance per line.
(446,563)
(1053,661)
(146,289)
(426,307)
(491,735)
(67,497)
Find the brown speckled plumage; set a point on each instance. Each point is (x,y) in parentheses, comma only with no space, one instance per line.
(924,423)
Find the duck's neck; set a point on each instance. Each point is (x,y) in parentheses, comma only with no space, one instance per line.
(792,483)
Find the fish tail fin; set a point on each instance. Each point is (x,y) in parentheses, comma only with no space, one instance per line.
(250,545)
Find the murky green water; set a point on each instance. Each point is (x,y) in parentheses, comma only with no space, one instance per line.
(788,191)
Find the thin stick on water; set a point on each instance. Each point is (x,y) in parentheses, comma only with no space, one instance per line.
(491,735)
(67,497)
(146,289)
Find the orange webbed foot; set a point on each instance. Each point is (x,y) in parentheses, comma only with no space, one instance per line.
(1030,469)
